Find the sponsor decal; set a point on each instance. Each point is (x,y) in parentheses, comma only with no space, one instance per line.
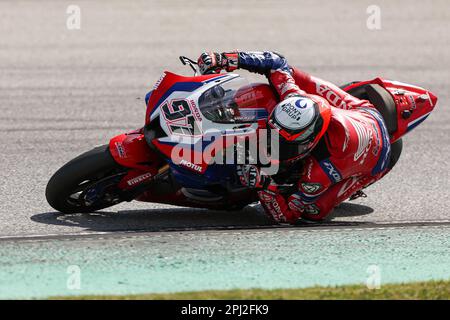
(331,96)
(190,165)
(377,144)
(244,118)
(139,179)
(386,148)
(120,150)
(159,81)
(277,213)
(291,111)
(311,187)
(364,139)
(270,203)
(302,103)
(195,110)
(330,170)
(295,113)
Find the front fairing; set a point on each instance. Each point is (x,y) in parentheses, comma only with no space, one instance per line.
(176,99)
(170,85)
(178,107)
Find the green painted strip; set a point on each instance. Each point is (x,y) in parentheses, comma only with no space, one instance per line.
(174,262)
(427,290)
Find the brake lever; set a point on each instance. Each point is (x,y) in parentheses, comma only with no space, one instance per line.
(190,62)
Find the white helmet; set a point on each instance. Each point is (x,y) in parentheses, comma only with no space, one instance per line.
(301,122)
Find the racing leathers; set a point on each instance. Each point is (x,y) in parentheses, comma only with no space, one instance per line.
(353,153)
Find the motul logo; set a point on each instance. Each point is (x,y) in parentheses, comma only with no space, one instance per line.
(190,165)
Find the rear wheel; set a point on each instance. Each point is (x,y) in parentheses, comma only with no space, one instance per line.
(396,151)
(86,183)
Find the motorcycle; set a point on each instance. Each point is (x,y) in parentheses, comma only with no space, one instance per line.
(139,165)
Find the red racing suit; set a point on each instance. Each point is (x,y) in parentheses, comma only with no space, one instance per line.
(354,152)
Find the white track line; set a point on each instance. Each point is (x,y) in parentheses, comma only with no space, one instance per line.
(124,234)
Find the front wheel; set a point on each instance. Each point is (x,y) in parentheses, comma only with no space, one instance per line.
(86,183)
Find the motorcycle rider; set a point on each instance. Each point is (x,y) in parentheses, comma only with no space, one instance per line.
(341,141)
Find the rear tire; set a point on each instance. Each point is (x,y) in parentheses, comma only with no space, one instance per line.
(396,151)
(77,176)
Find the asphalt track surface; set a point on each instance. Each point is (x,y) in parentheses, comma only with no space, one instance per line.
(63,92)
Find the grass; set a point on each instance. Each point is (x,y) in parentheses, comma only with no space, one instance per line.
(430,290)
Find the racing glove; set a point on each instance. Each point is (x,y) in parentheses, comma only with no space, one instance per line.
(250,176)
(276,206)
(213,62)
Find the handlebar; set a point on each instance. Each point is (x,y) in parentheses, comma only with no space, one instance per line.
(191,63)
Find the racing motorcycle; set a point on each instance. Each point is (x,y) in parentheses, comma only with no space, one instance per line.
(139,165)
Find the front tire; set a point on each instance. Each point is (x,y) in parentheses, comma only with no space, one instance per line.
(85,184)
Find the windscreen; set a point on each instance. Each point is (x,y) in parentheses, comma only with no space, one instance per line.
(233,101)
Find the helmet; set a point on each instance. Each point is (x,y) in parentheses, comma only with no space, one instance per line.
(300,122)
